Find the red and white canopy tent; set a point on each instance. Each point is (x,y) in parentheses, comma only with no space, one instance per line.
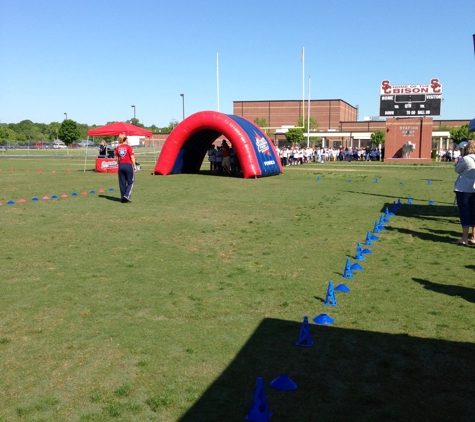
(116,129)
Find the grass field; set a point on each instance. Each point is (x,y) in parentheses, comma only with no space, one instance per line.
(169,308)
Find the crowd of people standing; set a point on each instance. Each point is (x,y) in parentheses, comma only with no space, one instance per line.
(223,159)
(296,155)
(448,155)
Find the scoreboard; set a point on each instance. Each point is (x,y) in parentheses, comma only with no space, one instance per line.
(410,100)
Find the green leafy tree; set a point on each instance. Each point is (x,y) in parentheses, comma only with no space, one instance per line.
(83,129)
(171,125)
(458,134)
(27,131)
(7,135)
(303,122)
(135,122)
(53,130)
(262,123)
(378,137)
(69,132)
(294,135)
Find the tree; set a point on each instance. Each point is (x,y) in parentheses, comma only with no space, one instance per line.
(26,130)
(69,132)
(294,135)
(303,122)
(53,130)
(171,125)
(135,122)
(459,134)
(260,122)
(378,137)
(7,135)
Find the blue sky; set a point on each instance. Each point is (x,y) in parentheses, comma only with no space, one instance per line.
(94,59)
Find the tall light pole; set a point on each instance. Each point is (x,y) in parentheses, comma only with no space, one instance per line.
(66,114)
(134,113)
(183,102)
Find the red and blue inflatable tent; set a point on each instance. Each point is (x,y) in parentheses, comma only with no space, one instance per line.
(187,145)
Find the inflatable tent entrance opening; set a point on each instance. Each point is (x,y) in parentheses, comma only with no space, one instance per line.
(187,145)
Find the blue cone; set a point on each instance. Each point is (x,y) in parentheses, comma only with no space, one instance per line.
(347,271)
(401,183)
(356,267)
(54,197)
(74,194)
(318,178)
(259,411)
(323,319)
(111,189)
(343,288)
(373,237)
(376,180)
(10,202)
(366,252)
(428,182)
(376,227)
(388,214)
(368,241)
(93,191)
(431,202)
(305,339)
(283,383)
(359,256)
(330,299)
(409,200)
(34,199)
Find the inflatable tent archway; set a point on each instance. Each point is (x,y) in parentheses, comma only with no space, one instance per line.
(187,145)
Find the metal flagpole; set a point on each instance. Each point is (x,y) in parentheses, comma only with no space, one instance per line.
(217,78)
(303,83)
(308,118)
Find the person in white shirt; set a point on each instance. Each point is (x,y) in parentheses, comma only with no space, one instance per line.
(212,158)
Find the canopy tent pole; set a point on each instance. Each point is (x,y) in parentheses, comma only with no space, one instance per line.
(85,157)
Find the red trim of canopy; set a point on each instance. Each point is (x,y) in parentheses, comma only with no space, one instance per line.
(115,129)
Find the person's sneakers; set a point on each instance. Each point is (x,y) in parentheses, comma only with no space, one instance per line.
(125,199)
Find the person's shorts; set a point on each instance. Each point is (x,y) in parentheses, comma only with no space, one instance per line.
(226,161)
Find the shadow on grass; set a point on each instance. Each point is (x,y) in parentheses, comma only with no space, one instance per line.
(110,198)
(395,197)
(430,237)
(427,211)
(464,292)
(346,375)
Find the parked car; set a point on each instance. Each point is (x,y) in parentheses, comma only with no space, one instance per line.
(74,145)
(87,143)
(59,145)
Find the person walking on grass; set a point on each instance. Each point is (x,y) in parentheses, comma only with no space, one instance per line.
(125,157)
(464,189)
